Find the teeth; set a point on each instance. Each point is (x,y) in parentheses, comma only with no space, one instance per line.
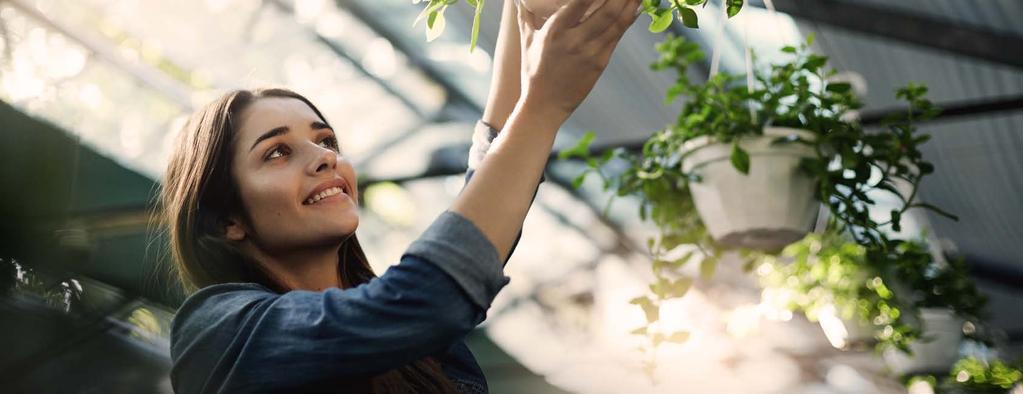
(324,194)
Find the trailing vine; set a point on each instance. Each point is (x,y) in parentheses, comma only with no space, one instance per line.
(851,166)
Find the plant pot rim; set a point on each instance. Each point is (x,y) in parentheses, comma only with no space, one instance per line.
(703,150)
(770,131)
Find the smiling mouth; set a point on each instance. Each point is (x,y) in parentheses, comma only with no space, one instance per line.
(328,194)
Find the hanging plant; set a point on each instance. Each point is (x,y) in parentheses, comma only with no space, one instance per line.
(829,279)
(945,298)
(662,13)
(724,144)
(972,375)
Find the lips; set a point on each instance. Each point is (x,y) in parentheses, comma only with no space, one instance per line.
(327,189)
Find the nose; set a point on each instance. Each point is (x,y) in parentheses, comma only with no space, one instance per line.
(323,160)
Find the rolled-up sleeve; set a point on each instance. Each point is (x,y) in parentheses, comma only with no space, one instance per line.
(245,338)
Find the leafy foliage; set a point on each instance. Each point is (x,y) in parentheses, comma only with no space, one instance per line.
(662,14)
(823,270)
(434,15)
(978,376)
(851,165)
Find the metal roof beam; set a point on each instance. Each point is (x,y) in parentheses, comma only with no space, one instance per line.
(455,95)
(912,28)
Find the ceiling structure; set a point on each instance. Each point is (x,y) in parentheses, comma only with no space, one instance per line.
(112,82)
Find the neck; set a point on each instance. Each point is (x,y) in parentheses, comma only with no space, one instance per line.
(314,268)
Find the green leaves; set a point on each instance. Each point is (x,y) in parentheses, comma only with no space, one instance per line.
(667,288)
(739,158)
(581,148)
(435,26)
(678,337)
(652,312)
(661,19)
(478,4)
(734,6)
(688,17)
(707,267)
(840,87)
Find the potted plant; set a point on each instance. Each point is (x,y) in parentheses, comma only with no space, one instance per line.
(946,299)
(848,166)
(750,156)
(972,375)
(827,277)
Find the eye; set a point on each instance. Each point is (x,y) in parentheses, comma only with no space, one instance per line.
(331,142)
(275,152)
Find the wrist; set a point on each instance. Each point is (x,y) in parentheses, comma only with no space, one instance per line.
(541,108)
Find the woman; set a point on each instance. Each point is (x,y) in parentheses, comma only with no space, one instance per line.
(261,208)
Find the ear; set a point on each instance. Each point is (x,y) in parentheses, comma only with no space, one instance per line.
(233,229)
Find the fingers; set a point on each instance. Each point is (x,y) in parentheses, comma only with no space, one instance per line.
(602,18)
(527,24)
(609,39)
(626,17)
(570,14)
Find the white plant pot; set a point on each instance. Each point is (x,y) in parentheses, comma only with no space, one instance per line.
(767,209)
(936,351)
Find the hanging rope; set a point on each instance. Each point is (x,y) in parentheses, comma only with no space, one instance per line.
(715,57)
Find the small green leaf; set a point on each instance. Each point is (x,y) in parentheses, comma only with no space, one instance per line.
(740,159)
(578,180)
(678,337)
(734,6)
(813,62)
(896,219)
(707,267)
(688,17)
(661,21)
(678,288)
(475,23)
(581,148)
(639,331)
(652,312)
(695,2)
(435,24)
(840,87)
(788,49)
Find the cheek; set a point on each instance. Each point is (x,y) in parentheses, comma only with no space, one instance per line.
(348,172)
(270,200)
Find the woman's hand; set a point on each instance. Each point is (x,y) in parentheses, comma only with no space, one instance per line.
(562,58)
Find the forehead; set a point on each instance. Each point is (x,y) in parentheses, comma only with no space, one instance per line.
(268,113)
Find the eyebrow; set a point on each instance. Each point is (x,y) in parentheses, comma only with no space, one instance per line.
(284,130)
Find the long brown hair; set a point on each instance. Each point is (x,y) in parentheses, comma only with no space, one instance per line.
(197,195)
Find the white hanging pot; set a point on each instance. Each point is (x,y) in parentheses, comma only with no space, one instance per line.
(936,351)
(767,209)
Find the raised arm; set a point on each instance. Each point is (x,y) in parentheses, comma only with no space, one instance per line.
(561,62)
(505,83)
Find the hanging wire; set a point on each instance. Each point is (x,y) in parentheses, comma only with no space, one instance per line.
(749,65)
(715,57)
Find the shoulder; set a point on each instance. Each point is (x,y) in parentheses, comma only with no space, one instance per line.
(212,305)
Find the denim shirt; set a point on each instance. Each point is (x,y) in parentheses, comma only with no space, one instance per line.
(243,337)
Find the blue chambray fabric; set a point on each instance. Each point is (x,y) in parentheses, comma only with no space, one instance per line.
(245,338)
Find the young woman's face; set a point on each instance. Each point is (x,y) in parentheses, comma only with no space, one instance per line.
(288,168)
